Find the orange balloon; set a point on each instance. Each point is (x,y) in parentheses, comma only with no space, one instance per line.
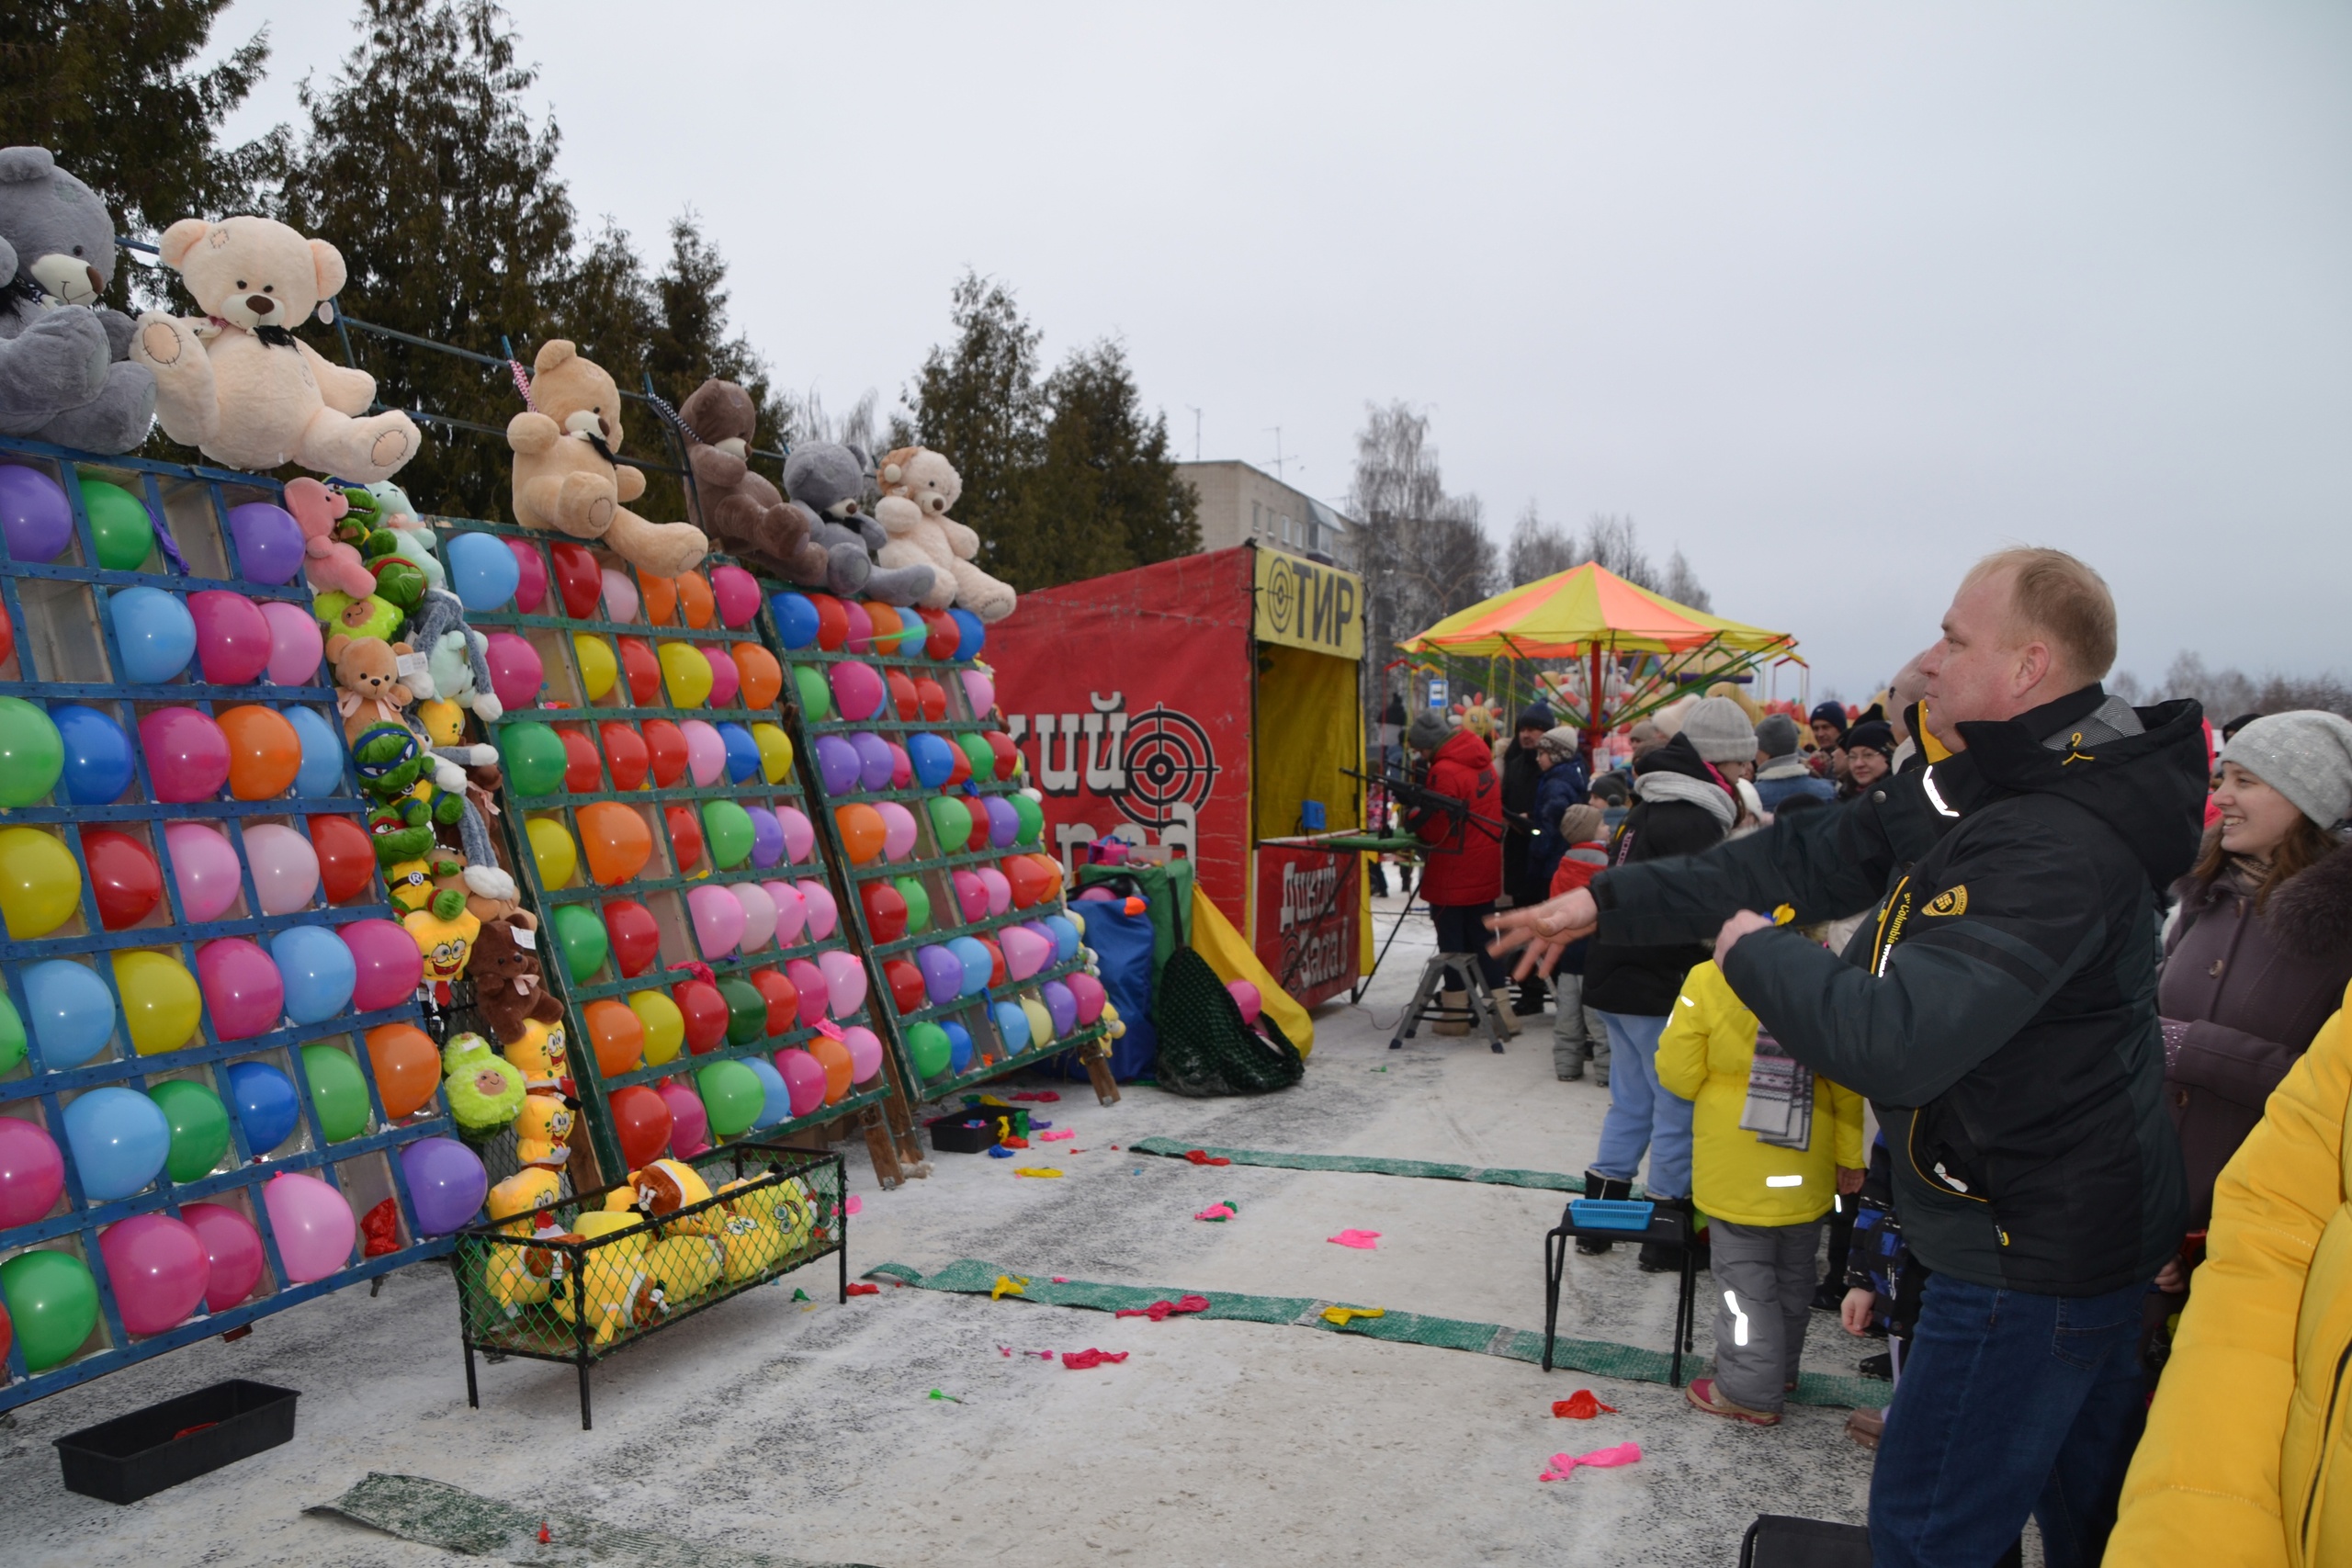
(694,598)
(1029,884)
(264,752)
(833,1056)
(887,625)
(762,676)
(862,831)
(661,596)
(618,1035)
(408,1068)
(617,840)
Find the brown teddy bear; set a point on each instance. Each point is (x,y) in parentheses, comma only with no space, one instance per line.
(368,677)
(510,990)
(567,478)
(734,502)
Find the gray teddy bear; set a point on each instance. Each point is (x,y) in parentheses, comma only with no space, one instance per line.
(65,375)
(828,479)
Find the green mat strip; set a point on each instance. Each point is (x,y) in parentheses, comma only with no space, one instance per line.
(1600,1357)
(1372,1165)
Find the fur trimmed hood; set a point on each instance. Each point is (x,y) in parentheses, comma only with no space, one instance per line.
(2310,915)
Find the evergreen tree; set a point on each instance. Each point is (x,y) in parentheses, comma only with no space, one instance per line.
(690,344)
(1107,496)
(977,402)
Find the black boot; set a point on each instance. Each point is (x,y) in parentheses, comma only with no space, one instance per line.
(1532,994)
(1599,1186)
(1664,1256)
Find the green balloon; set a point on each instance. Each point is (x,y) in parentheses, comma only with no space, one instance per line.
(33,754)
(950,823)
(199,1126)
(981,753)
(726,833)
(583,940)
(730,1094)
(120,523)
(338,1091)
(12,1036)
(918,904)
(816,696)
(534,757)
(747,1013)
(52,1303)
(1033,820)
(928,1045)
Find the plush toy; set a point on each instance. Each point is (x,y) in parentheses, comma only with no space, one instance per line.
(416,884)
(64,377)
(733,502)
(542,1055)
(369,689)
(330,564)
(387,507)
(365,616)
(543,1130)
(455,665)
(236,383)
(828,479)
(509,989)
(663,1188)
(521,1276)
(567,478)
(484,1092)
(752,1242)
(394,578)
(918,487)
(615,1291)
(683,1266)
(522,1197)
(446,940)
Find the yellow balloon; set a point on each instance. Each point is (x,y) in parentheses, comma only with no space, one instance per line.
(40,888)
(160,1000)
(776,752)
(1041,1022)
(552,848)
(688,674)
(597,666)
(665,1026)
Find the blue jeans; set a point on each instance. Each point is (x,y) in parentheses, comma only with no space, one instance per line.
(2010,1405)
(1643,1115)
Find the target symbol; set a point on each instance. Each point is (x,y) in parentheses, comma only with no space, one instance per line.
(1168,762)
(1282,590)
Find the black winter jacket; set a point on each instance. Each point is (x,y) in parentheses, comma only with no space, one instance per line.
(2001,1012)
(1630,975)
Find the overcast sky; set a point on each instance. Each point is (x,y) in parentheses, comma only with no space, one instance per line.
(1834,297)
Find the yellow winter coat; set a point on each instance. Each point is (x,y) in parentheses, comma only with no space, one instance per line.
(1704,1054)
(2256,1406)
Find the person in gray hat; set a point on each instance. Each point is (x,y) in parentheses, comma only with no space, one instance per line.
(1719,731)
(1780,769)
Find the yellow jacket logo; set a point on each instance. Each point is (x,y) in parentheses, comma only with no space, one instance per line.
(1951,901)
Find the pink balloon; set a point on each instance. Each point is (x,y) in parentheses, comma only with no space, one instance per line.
(234,1249)
(689,1123)
(1090,995)
(719,920)
(902,769)
(1000,891)
(823,913)
(531,586)
(515,673)
(188,757)
(845,981)
(898,829)
(864,1053)
(759,915)
(159,1269)
(32,1173)
(980,691)
(857,690)
(296,647)
(204,869)
(861,627)
(809,981)
(242,990)
(312,1222)
(233,637)
(804,1079)
(971,893)
(706,752)
(724,678)
(791,913)
(1024,950)
(286,868)
(620,597)
(799,835)
(1245,996)
(738,592)
(388,963)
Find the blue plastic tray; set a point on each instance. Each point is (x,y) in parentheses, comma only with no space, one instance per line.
(1611,1213)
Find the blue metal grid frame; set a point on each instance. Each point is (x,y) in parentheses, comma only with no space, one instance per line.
(991,1058)
(192,503)
(660,887)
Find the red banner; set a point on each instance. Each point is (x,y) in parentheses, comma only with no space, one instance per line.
(1307,906)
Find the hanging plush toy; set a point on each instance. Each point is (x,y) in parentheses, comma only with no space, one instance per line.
(64,371)
(386,506)
(567,478)
(734,502)
(484,1092)
(455,663)
(918,487)
(543,1130)
(509,989)
(827,479)
(542,1055)
(331,565)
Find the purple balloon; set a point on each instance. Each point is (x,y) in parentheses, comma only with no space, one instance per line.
(269,541)
(445,1182)
(874,764)
(35,518)
(837,766)
(767,837)
(1060,1006)
(1004,823)
(942,974)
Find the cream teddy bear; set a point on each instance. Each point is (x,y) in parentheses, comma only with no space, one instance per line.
(567,478)
(918,487)
(236,384)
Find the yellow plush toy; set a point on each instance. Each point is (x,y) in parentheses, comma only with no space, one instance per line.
(543,1132)
(660,1190)
(683,1266)
(445,944)
(753,1244)
(615,1291)
(542,1056)
(521,1277)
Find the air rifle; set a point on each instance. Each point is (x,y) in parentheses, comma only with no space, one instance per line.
(1421,798)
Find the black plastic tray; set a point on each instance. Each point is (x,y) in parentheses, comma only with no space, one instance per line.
(142,1453)
(951,1135)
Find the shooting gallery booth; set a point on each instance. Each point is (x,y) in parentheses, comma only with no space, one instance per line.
(1206,706)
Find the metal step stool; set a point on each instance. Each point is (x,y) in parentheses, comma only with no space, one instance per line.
(1455,972)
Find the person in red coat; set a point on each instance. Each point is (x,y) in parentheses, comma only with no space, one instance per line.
(1462,874)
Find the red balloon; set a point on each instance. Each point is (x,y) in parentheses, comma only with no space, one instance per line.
(996,959)
(902,771)
(625,753)
(578,579)
(8,652)
(706,1012)
(346,857)
(902,693)
(531,580)
(124,875)
(907,988)
(885,910)
(666,745)
(1032,883)
(960,766)
(782,997)
(930,698)
(641,1124)
(582,775)
(643,671)
(944,635)
(832,622)
(1007,758)
(636,938)
(685,837)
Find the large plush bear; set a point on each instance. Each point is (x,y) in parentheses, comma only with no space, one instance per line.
(918,487)
(64,374)
(828,479)
(236,384)
(734,502)
(567,478)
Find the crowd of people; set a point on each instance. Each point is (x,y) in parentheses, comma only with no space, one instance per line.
(2085,964)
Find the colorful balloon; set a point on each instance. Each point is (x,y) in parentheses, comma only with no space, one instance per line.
(68,1011)
(726,680)
(875,762)
(407,1065)
(53,1301)
(617,840)
(718,919)
(804,1079)
(338,1092)
(270,547)
(686,674)
(580,937)
(885,910)
(726,831)
(234,1250)
(898,829)
(641,670)
(233,641)
(704,1012)
(162,1003)
(599,668)
(1011,1026)
(800,833)
(833,1056)
(747,1010)
(762,676)
(187,756)
(857,690)
(40,888)
(641,1124)
(689,1123)
(346,858)
(153,631)
(314,1225)
(775,1097)
(1061,1007)
(32,752)
(515,672)
(767,837)
(318,972)
(824,916)
(951,824)
(706,752)
(960,1045)
(532,757)
(94,762)
(620,597)
(552,850)
(942,974)
(484,572)
(579,579)
(816,696)
(928,1044)
(32,1172)
(158,1269)
(388,962)
(810,990)
(626,756)
(664,1026)
(635,936)
(862,831)
(775,751)
(686,836)
(732,1096)
(119,1141)
(616,1035)
(264,752)
(243,989)
(737,595)
(742,753)
(759,916)
(665,745)
(321,771)
(694,599)
(296,645)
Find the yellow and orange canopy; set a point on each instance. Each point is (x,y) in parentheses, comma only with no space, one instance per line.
(1573,612)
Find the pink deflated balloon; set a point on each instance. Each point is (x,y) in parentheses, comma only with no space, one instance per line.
(32,1171)
(244,992)
(389,964)
(804,1079)
(857,690)
(515,673)
(791,913)
(706,752)
(296,647)
(845,981)
(234,1248)
(824,915)
(864,1053)
(689,1122)
(719,920)
(1000,890)
(980,691)
(800,833)
(188,757)
(810,982)
(726,680)
(232,637)
(620,595)
(286,868)
(1245,996)
(204,870)
(1086,991)
(759,915)
(159,1271)
(312,1222)
(1024,950)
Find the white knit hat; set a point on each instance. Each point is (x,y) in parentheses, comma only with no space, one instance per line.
(2305,756)
(1720,730)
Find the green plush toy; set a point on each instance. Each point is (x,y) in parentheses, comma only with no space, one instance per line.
(371,616)
(485,1091)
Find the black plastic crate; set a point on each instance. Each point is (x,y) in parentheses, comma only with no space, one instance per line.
(963,1133)
(142,1453)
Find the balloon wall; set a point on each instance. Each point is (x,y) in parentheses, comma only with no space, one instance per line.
(195,943)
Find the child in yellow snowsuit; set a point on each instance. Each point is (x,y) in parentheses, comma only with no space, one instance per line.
(1772,1144)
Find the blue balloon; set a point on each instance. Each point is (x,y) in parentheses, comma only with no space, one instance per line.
(775,1100)
(1011,1025)
(796,618)
(98,765)
(960,1045)
(321,770)
(120,1138)
(265,1104)
(1065,936)
(317,969)
(742,753)
(71,1012)
(483,573)
(155,632)
(933,759)
(978,962)
(969,635)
